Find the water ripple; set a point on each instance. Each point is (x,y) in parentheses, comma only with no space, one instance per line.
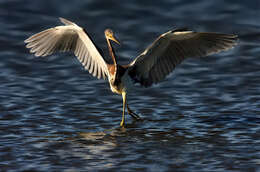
(56,117)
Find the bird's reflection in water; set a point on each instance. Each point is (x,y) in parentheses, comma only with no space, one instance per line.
(116,136)
(99,148)
(107,135)
(102,135)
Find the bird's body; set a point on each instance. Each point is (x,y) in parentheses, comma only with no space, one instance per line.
(149,68)
(118,83)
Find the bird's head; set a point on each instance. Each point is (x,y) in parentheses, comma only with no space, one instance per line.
(110,36)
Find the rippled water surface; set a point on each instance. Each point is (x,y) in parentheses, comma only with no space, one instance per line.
(54,116)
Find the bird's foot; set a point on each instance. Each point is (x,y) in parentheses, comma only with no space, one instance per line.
(134,115)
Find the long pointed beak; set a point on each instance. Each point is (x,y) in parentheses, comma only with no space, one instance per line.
(114,39)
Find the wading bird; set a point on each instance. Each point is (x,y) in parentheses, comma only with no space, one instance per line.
(150,67)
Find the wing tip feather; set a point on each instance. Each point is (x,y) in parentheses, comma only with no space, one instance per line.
(65,21)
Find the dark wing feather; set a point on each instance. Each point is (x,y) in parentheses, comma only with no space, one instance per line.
(69,38)
(171,48)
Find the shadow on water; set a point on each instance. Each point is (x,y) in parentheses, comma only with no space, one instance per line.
(111,147)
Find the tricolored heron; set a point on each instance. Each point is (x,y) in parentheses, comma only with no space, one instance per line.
(150,67)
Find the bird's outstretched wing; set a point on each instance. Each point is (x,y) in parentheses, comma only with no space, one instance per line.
(70,37)
(171,48)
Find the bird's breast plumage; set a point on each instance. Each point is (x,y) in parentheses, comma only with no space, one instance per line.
(120,82)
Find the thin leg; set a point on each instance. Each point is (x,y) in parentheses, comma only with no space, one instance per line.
(122,124)
(134,115)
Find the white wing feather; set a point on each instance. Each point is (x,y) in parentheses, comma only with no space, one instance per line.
(70,37)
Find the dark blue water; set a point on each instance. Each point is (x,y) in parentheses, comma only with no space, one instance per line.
(54,116)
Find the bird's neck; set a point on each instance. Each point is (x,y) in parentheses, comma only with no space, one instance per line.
(111,52)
